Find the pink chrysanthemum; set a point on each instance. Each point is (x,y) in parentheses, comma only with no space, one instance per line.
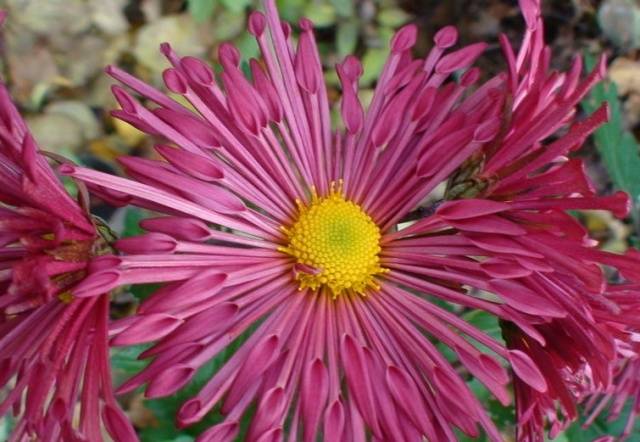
(625,388)
(311,241)
(54,358)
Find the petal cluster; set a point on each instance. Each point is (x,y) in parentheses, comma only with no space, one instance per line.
(54,358)
(247,152)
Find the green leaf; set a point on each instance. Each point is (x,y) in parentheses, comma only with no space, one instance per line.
(344,8)
(228,25)
(143,291)
(291,10)
(322,15)
(132,218)
(486,322)
(603,427)
(347,37)
(6,426)
(393,17)
(125,362)
(247,46)
(372,63)
(618,147)
(201,10)
(236,6)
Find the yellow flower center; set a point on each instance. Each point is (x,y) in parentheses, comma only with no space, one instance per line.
(336,244)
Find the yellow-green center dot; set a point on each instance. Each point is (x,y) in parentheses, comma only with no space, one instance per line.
(337,239)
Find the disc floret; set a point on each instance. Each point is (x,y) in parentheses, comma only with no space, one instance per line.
(335,243)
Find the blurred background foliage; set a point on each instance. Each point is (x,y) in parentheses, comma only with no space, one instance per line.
(53,52)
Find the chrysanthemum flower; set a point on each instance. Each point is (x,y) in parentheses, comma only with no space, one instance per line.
(625,389)
(322,249)
(574,351)
(54,358)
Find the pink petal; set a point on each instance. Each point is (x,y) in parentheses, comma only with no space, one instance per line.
(526,300)
(334,421)
(499,268)
(169,381)
(147,328)
(197,70)
(488,224)
(446,37)
(359,380)
(257,23)
(273,435)
(404,39)
(460,59)
(196,165)
(205,285)
(223,432)
(97,283)
(269,413)
(405,394)
(187,229)
(193,128)
(149,243)
(314,391)
(261,357)
(470,208)
(208,322)
(118,425)
(527,370)
(175,81)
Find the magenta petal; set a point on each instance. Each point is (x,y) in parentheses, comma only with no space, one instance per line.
(200,287)
(501,244)
(487,130)
(206,323)
(97,284)
(104,262)
(149,243)
(257,23)
(269,413)
(488,224)
(405,394)
(313,397)
(527,370)
(197,70)
(307,67)
(193,128)
(359,379)
(223,432)
(452,388)
(489,372)
(190,412)
(499,268)
(118,425)
(334,421)
(187,229)
(147,328)
(531,11)
(273,435)
(526,300)
(261,357)
(170,381)
(196,165)
(460,59)
(175,81)
(446,37)
(404,39)
(470,208)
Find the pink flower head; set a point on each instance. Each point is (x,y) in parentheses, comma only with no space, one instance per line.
(303,239)
(625,388)
(53,346)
